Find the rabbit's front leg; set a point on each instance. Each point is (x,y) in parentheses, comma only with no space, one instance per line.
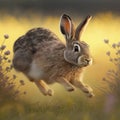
(43,87)
(68,86)
(85,88)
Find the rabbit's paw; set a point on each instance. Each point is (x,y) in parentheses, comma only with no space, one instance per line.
(70,89)
(87,89)
(50,92)
(44,93)
(90,95)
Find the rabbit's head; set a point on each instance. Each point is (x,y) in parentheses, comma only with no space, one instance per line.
(76,51)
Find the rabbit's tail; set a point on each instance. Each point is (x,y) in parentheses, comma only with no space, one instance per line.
(22,60)
(23,53)
(24,42)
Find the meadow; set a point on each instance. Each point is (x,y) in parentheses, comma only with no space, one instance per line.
(21,99)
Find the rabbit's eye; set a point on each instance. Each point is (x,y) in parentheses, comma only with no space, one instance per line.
(76,48)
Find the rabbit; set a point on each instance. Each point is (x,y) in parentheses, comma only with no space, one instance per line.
(44,59)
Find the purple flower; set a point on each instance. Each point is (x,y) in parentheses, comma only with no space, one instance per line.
(9,61)
(7,69)
(22,82)
(5,58)
(2,47)
(6,36)
(14,76)
(11,66)
(110,103)
(114,45)
(118,45)
(108,53)
(7,52)
(111,60)
(106,41)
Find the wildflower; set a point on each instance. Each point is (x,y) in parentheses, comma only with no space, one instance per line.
(111,60)
(2,47)
(108,53)
(118,52)
(7,69)
(7,81)
(11,66)
(9,61)
(118,43)
(110,103)
(114,45)
(22,82)
(5,58)
(7,52)
(106,41)
(14,77)
(6,36)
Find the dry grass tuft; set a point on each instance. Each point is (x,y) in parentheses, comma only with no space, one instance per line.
(8,88)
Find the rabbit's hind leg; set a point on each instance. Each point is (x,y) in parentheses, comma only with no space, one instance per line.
(43,87)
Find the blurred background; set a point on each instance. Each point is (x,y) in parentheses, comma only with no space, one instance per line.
(54,7)
(103,36)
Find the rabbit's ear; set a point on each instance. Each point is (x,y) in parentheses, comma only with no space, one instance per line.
(66,26)
(81,27)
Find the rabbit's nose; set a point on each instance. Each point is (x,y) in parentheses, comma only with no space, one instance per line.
(89,61)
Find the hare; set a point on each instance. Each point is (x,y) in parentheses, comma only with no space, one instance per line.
(44,59)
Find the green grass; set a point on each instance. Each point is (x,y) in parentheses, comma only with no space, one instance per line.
(77,109)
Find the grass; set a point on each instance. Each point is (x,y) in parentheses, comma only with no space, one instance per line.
(58,110)
(104,107)
(9,90)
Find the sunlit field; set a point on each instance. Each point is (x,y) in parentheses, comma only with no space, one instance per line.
(102,27)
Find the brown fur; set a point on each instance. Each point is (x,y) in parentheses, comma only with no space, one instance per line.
(44,59)
(53,64)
